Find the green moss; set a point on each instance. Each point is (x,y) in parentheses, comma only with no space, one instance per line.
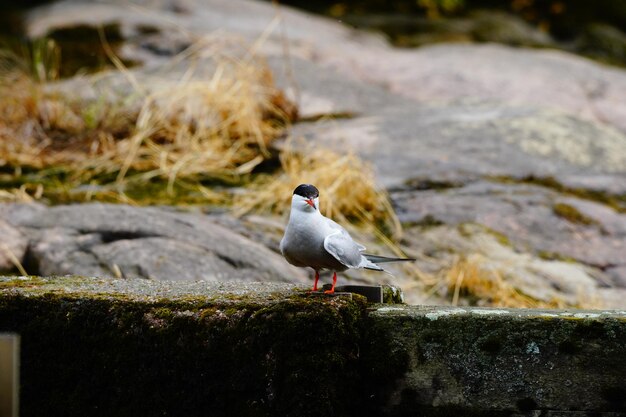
(423,184)
(468,230)
(554,256)
(427,221)
(60,187)
(447,358)
(500,237)
(571,214)
(615,201)
(19,282)
(88,351)
(328,116)
(392,295)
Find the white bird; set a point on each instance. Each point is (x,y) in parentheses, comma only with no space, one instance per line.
(312,240)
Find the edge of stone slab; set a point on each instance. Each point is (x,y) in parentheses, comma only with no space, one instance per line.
(146,290)
(442,312)
(152,290)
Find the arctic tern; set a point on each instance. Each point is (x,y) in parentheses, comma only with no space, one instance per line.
(315,241)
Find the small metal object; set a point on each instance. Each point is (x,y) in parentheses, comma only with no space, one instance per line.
(373,293)
(9,374)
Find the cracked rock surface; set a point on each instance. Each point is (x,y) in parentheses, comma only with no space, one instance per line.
(117,240)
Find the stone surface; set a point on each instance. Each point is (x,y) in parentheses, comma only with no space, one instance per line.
(12,246)
(543,78)
(548,79)
(467,141)
(140,347)
(128,347)
(525,214)
(112,241)
(494,259)
(603,42)
(116,240)
(499,361)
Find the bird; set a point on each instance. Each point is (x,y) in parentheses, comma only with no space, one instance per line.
(315,241)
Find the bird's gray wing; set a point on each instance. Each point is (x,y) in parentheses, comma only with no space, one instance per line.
(337,226)
(343,248)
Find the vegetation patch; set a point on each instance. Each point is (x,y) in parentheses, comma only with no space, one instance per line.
(473,281)
(183,131)
(348,186)
(571,214)
(423,184)
(615,201)
(202,137)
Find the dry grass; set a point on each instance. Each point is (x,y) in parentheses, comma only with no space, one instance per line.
(21,195)
(213,123)
(181,134)
(191,129)
(472,279)
(346,183)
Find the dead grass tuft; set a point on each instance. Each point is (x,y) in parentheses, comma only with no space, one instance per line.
(192,129)
(472,279)
(346,183)
(21,195)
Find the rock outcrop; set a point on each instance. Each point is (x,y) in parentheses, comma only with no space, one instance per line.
(528,143)
(108,240)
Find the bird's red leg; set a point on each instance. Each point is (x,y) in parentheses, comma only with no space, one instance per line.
(332,289)
(317,278)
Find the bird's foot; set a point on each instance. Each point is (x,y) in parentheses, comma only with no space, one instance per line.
(332,289)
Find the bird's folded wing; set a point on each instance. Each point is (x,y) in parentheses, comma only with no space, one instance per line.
(333,224)
(343,248)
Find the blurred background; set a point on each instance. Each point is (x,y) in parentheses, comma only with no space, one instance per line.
(162,139)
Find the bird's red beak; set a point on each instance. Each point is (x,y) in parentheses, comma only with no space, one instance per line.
(310,202)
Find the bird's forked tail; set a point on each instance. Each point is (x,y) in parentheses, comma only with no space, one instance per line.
(382,259)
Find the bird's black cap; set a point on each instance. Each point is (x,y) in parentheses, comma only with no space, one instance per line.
(307,191)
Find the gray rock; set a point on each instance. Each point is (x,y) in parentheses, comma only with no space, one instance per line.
(63,251)
(539,78)
(110,240)
(543,78)
(525,215)
(507,28)
(604,42)
(158,257)
(618,275)
(13,246)
(493,259)
(16,213)
(320,91)
(465,141)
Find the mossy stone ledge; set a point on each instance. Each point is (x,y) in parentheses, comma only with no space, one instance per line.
(93,347)
(499,362)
